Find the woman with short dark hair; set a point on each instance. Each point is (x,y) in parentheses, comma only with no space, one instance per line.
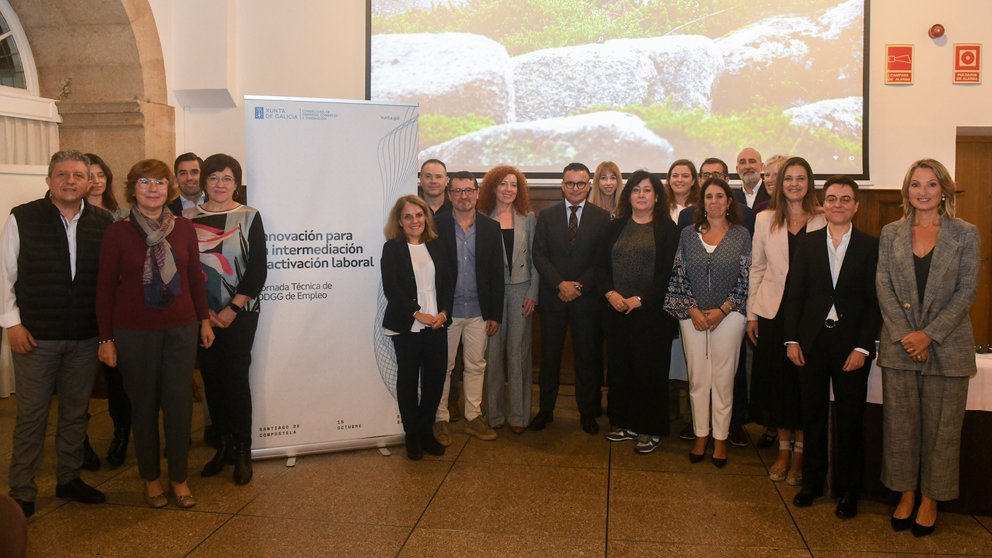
(232,256)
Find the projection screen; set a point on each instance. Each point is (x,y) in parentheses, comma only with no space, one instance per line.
(539,83)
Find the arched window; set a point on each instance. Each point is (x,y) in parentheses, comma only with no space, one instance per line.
(29,131)
(16,62)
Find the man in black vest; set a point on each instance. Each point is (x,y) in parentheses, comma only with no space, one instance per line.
(49,252)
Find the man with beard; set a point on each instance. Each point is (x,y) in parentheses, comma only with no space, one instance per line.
(187,169)
(749,169)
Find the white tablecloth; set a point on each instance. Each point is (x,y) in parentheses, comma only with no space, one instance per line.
(979,389)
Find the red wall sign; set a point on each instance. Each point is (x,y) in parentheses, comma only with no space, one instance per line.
(898,64)
(967,63)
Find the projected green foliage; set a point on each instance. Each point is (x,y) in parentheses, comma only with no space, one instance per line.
(526,25)
(438,128)
(697,131)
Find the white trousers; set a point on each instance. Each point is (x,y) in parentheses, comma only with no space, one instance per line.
(471,332)
(711,359)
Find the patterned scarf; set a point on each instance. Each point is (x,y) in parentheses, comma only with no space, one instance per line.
(159,277)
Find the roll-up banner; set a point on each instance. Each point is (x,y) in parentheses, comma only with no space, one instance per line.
(324,174)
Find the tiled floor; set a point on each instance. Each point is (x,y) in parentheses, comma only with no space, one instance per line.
(558,492)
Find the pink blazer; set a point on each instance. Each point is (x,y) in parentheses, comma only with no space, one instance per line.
(770,264)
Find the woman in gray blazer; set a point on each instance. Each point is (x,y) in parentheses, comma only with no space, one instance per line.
(504,197)
(926,281)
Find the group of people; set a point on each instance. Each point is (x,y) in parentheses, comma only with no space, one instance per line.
(775,295)
(143,293)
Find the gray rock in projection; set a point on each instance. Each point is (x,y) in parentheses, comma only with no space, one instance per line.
(687,66)
(842,116)
(385,8)
(445,73)
(553,141)
(789,61)
(557,82)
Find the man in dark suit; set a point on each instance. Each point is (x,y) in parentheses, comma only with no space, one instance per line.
(187,169)
(831,323)
(474,246)
(749,169)
(565,244)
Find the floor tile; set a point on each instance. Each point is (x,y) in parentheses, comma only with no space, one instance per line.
(262,537)
(521,499)
(356,487)
(871,531)
(673,455)
(107,530)
(634,549)
(470,544)
(698,510)
(562,444)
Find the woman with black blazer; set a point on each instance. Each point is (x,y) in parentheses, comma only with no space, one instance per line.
(633,269)
(419,292)
(926,281)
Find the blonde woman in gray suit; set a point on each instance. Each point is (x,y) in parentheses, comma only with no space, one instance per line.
(505,198)
(926,281)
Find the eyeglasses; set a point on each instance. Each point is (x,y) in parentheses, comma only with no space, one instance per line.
(838,200)
(575,185)
(462,192)
(226,179)
(148,183)
(706,175)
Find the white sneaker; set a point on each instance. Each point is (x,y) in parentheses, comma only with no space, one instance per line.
(621,434)
(647,444)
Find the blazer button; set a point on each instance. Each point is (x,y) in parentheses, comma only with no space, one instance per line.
(905,306)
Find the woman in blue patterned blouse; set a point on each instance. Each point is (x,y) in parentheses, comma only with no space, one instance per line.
(707,293)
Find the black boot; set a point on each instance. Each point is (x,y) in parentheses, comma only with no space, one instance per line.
(90,460)
(216,465)
(118,448)
(242,463)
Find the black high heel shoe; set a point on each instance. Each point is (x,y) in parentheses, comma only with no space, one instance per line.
(695,458)
(923,530)
(901,524)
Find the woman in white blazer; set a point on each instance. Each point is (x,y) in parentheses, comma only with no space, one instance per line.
(504,197)
(775,401)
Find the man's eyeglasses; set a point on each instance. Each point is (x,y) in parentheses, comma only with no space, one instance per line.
(838,200)
(575,185)
(708,175)
(462,192)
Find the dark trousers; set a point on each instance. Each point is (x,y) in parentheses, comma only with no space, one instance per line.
(224,367)
(824,363)
(421,361)
(582,315)
(738,413)
(118,405)
(63,367)
(158,371)
(639,359)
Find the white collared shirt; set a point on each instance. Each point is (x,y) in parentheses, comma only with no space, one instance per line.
(578,212)
(835,257)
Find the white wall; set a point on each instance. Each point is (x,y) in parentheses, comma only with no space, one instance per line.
(317,49)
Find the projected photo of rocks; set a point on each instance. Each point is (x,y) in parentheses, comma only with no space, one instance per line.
(539,83)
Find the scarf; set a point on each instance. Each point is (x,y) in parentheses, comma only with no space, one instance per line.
(159,277)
